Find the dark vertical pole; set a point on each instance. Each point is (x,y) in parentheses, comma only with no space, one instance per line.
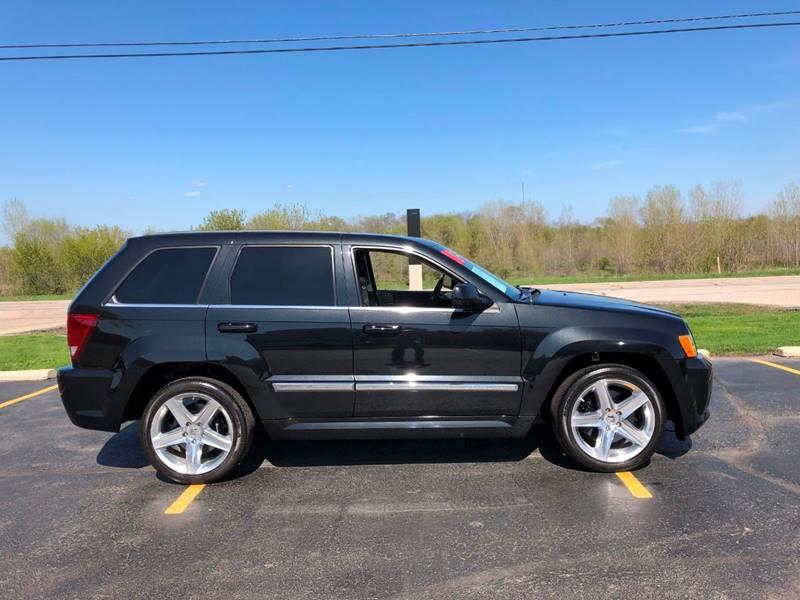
(414,228)
(413,222)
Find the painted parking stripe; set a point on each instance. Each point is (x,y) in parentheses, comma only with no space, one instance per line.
(185,499)
(776,366)
(635,487)
(29,396)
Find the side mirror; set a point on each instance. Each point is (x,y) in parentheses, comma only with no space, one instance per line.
(467,297)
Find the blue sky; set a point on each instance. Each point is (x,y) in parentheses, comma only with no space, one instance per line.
(160,142)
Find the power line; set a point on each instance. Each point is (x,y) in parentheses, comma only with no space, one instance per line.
(402,35)
(585,36)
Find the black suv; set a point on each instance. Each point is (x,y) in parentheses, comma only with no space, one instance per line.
(348,335)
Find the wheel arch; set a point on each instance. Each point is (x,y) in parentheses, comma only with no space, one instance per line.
(161,374)
(646,364)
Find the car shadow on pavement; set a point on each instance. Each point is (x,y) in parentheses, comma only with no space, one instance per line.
(282,453)
(123,450)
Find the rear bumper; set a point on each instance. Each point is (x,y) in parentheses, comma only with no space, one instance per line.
(693,393)
(86,395)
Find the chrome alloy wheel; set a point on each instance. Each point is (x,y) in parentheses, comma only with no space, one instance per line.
(613,420)
(192,433)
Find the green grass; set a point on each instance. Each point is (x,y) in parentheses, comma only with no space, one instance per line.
(729,329)
(600,277)
(42,297)
(33,351)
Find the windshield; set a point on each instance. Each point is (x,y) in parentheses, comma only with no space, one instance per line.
(487,276)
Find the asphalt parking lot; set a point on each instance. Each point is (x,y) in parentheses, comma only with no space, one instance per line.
(82,515)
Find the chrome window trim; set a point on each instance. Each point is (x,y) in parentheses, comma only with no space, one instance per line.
(243,246)
(493,309)
(113,304)
(281,306)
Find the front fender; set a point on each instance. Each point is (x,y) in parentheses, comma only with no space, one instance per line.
(546,356)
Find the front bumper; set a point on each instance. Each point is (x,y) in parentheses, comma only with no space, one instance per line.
(86,395)
(693,394)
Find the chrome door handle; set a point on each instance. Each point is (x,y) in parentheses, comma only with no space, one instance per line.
(383,329)
(237,327)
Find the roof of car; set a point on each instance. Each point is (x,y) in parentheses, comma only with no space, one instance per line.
(254,236)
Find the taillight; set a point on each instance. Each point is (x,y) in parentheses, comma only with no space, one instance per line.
(79,328)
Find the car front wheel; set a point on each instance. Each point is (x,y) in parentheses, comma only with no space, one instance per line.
(196,430)
(608,418)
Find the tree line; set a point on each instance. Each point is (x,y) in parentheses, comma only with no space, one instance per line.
(665,232)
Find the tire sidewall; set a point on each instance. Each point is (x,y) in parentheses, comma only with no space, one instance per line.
(570,397)
(238,423)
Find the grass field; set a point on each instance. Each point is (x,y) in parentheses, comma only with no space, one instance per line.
(740,328)
(33,351)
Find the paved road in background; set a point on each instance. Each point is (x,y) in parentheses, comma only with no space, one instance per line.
(784,291)
(34,315)
(83,515)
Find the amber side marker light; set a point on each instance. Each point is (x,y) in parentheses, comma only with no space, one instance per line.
(687,343)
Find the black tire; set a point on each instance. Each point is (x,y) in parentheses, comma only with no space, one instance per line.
(241,418)
(568,393)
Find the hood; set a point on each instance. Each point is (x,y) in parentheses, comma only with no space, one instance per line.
(597,302)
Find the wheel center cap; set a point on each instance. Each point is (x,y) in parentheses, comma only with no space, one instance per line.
(194,431)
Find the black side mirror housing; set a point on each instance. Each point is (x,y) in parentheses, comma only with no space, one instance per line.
(466,296)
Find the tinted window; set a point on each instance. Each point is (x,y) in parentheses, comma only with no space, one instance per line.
(283,276)
(169,276)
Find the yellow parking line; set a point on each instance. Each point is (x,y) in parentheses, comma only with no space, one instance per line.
(185,499)
(635,487)
(28,396)
(776,366)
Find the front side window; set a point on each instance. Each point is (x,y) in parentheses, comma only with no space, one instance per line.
(284,276)
(394,278)
(168,276)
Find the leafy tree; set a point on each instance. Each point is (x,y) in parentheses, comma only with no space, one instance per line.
(85,251)
(226,219)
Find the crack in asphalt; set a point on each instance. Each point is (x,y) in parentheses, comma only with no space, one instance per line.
(739,456)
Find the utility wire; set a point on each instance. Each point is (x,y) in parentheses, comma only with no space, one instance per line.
(584,36)
(402,35)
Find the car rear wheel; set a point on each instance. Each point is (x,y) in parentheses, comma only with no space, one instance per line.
(608,418)
(196,430)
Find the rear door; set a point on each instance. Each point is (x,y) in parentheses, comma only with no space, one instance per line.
(282,320)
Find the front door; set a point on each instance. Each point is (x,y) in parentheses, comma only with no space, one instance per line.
(415,355)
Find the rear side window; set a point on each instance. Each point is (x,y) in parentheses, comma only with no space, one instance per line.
(284,276)
(168,276)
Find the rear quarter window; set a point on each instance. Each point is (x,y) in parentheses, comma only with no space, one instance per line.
(283,276)
(168,276)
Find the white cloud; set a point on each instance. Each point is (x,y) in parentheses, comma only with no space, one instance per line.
(733,115)
(741,115)
(191,194)
(199,184)
(701,129)
(606,164)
